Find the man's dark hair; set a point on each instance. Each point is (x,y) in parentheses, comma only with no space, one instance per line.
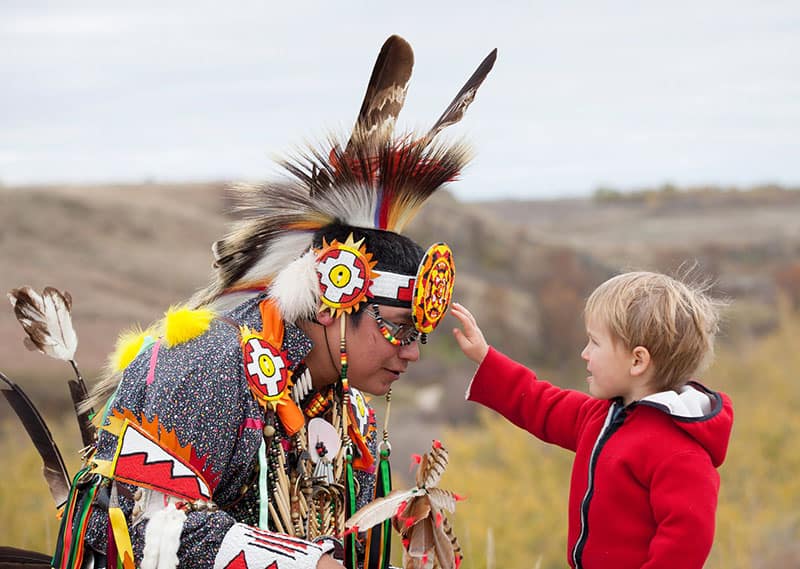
(393,252)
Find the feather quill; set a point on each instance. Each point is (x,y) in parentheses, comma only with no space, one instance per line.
(428,541)
(386,93)
(380,509)
(53,467)
(458,106)
(420,538)
(442,499)
(448,552)
(430,472)
(47,320)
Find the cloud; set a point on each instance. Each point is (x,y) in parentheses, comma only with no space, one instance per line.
(581,92)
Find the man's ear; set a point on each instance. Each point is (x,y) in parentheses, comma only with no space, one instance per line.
(641,361)
(325,318)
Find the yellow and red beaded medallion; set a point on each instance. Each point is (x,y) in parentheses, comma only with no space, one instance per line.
(345,274)
(266,369)
(433,289)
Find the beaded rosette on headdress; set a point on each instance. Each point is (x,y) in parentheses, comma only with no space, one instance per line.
(433,288)
(347,279)
(345,275)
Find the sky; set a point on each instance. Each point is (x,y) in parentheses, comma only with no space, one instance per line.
(584,94)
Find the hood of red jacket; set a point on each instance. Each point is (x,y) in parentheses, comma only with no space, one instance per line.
(705,415)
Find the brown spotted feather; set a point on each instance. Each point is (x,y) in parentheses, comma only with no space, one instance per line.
(386,93)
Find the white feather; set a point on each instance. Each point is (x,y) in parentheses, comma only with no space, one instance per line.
(162,539)
(47,321)
(296,288)
(353,205)
(281,252)
(381,508)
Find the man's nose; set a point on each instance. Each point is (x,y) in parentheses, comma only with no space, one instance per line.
(409,352)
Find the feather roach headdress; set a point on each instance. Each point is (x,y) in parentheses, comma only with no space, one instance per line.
(374,180)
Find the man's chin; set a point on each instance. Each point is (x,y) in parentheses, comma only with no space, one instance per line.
(381,388)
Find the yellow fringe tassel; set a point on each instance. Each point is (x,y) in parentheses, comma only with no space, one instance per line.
(128,346)
(183,324)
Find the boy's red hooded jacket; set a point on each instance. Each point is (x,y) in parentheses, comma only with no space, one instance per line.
(644,483)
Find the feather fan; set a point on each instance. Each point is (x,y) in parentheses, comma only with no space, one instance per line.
(428,541)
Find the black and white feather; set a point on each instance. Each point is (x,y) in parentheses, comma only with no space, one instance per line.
(386,93)
(46,320)
(458,106)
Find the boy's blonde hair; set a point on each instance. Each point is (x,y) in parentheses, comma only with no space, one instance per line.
(675,321)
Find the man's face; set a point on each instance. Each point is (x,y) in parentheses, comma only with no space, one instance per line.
(374,363)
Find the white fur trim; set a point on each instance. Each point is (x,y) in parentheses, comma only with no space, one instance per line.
(163,538)
(281,252)
(296,288)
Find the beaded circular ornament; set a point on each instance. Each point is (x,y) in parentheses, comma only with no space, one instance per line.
(345,274)
(433,289)
(266,368)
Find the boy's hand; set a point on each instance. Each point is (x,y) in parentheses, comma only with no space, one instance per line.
(471,340)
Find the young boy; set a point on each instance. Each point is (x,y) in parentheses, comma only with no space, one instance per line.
(647,440)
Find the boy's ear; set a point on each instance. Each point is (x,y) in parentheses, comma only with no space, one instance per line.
(641,361)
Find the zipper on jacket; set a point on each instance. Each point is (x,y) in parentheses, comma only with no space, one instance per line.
(614,420)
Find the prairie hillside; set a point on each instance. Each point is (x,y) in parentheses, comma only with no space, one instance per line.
(126,253)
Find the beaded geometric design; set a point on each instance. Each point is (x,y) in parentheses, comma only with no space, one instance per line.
(345,275)
(433,291)
(150,455)
(266,368)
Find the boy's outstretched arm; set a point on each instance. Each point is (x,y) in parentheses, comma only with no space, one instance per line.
(471,340)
